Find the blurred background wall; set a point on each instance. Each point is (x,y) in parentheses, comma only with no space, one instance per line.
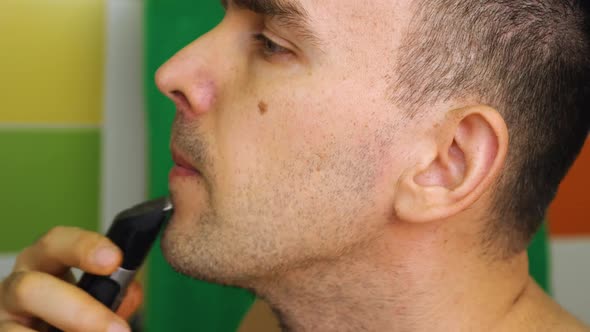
(70,71)
(569,225)
(51,115)
(74,140)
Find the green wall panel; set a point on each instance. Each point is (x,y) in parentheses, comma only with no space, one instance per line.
(539,259)
(48,177)
(175,302)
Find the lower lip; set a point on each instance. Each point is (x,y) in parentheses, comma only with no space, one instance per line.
(181,172)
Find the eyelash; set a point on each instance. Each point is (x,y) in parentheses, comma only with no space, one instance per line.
(268,47)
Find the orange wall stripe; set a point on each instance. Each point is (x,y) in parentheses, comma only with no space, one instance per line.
(569,215)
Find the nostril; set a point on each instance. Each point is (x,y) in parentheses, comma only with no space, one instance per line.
(181,101)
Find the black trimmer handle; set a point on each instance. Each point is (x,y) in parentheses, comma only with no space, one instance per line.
(134,231)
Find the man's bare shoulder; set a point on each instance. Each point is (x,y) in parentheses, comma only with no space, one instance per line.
(575,326)
(536,311)
(562,321)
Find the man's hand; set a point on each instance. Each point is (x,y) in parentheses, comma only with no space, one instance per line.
(40,287)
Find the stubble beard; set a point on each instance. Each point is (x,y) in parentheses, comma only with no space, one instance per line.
(246,239)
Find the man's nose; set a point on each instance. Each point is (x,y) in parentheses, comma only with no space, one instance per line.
(188,78)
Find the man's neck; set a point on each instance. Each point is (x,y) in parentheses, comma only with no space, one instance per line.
(418,288)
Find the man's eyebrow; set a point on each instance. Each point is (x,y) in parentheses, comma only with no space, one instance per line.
(289,14)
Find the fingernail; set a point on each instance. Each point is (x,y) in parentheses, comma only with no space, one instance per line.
(105,256)
(118,327)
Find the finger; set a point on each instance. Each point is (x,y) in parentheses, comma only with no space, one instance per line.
(65,247)
(58,303)
(9,326)
(7,316)
(132,301)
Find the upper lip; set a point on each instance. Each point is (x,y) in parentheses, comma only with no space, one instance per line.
(181,161)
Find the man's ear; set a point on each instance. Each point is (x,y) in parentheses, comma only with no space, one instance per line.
(466,154)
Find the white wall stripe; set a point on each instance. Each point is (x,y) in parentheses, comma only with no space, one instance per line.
(124,147)
(571,275)
(6,263)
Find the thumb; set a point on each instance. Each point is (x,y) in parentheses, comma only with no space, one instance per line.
(132,301)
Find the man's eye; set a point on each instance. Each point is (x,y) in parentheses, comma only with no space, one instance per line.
(268,47)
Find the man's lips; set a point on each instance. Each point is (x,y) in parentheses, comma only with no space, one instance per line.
(180,160)
(182,168)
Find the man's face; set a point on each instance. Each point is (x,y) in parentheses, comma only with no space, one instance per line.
(298,145)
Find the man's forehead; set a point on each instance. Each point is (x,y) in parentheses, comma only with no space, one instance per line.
(359,15)
(351,22)
(305,8)
(269,7)
(367,18)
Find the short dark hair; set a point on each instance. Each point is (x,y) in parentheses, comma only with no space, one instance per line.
(529,60)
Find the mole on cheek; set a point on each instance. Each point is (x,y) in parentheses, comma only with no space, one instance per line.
(262,107)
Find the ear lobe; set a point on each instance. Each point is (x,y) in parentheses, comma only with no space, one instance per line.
(467,154)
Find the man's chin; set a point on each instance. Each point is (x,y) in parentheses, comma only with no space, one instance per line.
(195,261)
(183,264)
(198,274)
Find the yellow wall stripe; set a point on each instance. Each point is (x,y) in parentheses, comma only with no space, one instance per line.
(51,61)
